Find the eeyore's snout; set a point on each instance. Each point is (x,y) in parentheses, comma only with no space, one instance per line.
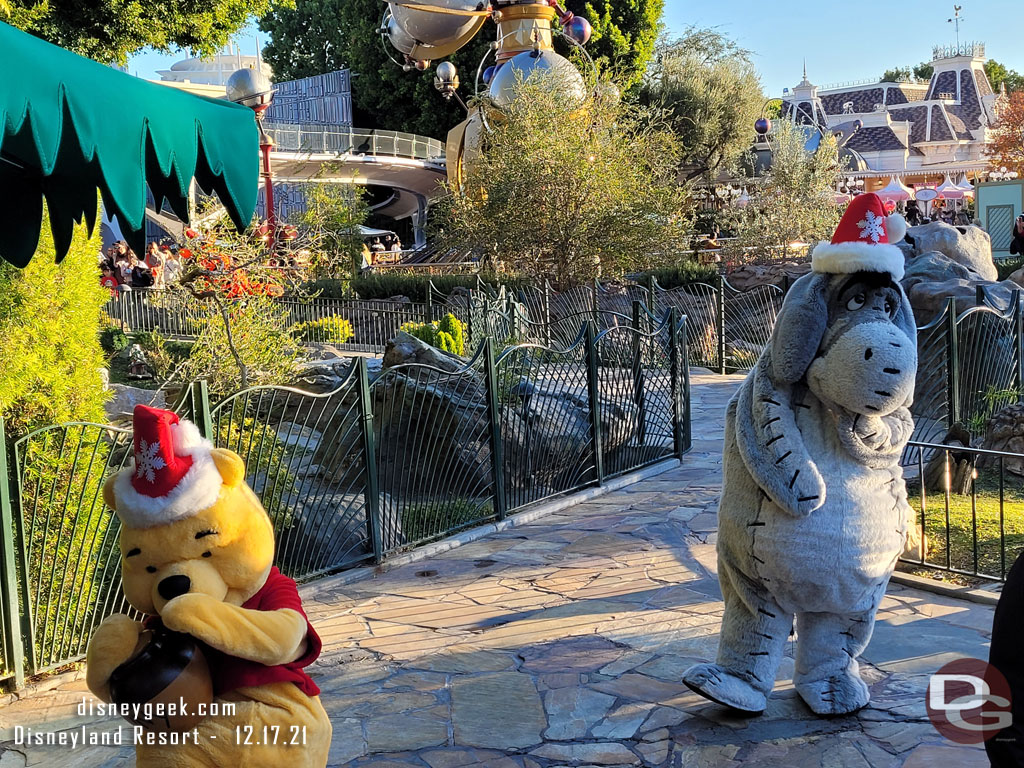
(868,369)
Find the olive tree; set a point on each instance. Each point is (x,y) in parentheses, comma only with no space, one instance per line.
(568,189)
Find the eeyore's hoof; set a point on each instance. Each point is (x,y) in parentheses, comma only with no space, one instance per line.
(715,683)
(836,696)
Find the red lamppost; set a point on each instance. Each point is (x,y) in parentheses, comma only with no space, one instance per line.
(251,88)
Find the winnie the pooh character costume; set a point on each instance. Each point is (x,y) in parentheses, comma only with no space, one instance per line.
(196,552)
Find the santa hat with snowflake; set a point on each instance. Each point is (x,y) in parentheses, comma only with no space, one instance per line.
(172,474)
(864,241)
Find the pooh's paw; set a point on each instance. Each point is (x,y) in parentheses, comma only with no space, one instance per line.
(189,613)
(112,644)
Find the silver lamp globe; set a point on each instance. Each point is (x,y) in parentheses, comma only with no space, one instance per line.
(250,88)
(533,64)
(434,27)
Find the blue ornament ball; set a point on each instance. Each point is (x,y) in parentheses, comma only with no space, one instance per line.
(762,125)
(578,29)
(488,74)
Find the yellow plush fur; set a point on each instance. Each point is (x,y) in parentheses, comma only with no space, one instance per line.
(225,568)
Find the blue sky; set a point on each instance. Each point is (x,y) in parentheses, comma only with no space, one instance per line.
(841,41)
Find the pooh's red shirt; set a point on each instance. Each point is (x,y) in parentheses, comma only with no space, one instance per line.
(231,672)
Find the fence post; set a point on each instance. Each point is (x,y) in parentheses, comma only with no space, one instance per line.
(1018,334)
(720,322)
(430,305)
(639,385)
(9,505)
(952,363)
(494,422)
(595,290)
(371,492)
(652,296)
(677,372)
(593,392)
(201,410)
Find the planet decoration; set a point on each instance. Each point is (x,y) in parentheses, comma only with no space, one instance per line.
(762,126)
(166,668)
(577,28)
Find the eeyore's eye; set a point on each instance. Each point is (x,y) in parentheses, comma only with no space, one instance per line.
(856,302)
(889,307)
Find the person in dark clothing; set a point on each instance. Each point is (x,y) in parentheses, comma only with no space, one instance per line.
(1017,236)
(1006,748)
(913,213)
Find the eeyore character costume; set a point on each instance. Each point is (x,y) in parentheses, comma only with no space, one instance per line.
(814,513)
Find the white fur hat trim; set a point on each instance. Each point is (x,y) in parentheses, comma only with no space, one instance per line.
(850,257)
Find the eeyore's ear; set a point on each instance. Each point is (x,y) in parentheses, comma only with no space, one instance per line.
(904,319)
(800,327)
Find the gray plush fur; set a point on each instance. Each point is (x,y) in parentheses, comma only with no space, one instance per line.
(813,513)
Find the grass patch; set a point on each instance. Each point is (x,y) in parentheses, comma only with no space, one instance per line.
(978,511)
(428,520)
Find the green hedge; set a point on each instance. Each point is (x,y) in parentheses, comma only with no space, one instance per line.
(683,274)
(50,336)
(384,286)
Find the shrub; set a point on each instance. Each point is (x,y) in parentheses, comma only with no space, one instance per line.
(1006,267)
(113,339)
(684,273)
(447,334)
(260,337)
(163,356)
(332,329)
(416,287)
(50,336)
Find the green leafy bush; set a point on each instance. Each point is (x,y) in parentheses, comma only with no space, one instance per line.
(332,329)
(447,334)
(113,339)
(260,339)
(1006,267)
(416,287)
(50,336)
(163,356)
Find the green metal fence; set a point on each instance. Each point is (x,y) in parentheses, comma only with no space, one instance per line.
(348,476)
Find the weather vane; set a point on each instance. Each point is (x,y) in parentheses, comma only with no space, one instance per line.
(955,21)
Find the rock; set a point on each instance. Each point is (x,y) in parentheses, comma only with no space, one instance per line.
(928,298)
(125,398)
(1005,432)
(405,349)
(1017,277)
(970,246)
(749,276)
(933,267)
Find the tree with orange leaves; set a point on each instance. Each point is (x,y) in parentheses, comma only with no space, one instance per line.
(1005,150)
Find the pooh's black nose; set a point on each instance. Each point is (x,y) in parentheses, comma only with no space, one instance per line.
(173,586)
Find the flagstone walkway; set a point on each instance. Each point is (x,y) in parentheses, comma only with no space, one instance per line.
(562,641)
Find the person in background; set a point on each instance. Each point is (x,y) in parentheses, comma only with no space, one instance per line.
(367,260)
(396,248)
(172,267)
(1017,236)
(155,262)
(123,267)
(107,279)
(141,277)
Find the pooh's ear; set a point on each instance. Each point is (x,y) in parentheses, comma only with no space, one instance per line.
(108,490)
(230,466)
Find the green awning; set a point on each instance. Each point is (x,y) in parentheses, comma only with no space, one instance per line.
(72,125)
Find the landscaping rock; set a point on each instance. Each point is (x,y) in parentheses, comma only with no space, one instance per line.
(928,298)
(970,246)
(127,397)
(1005,432)
(753,275)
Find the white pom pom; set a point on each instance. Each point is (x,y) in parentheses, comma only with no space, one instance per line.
(895,227)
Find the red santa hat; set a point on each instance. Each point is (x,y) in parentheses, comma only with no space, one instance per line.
(172,475)
(864,240)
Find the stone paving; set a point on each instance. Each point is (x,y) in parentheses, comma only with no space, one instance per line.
(561,643)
